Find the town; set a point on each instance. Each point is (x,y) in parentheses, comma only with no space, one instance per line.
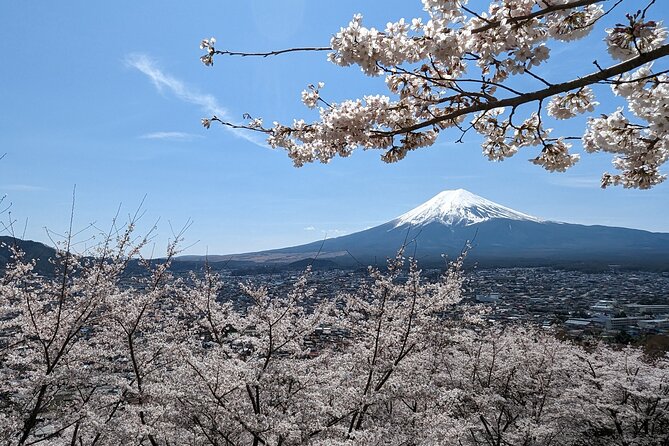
(615,305)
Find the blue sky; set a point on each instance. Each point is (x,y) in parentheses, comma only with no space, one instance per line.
(108,97)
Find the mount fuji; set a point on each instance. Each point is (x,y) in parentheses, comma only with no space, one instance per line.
(458,207)
(498,236)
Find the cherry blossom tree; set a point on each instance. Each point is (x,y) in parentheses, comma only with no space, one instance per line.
(101,354)
(79,348)
(468,71)
(88,359)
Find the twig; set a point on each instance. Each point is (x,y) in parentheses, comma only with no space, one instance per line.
(271,53)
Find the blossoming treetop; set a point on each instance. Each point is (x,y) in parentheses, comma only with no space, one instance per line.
(454,72)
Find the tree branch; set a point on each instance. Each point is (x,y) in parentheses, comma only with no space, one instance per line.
(548,10)
(590,79)
(273,53)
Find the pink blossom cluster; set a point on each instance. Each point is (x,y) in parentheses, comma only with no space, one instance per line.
(90,356)
(455,66)
(641,147)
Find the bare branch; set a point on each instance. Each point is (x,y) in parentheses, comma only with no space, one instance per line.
(272,53)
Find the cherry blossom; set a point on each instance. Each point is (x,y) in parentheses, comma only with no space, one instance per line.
(90,357)
(448,70)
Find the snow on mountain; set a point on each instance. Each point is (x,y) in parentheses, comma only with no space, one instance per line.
(459,207)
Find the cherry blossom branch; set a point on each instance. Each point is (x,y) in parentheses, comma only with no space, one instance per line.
(637,79)
(590,79)
(440,81)
(554,8)
(491,24)
(425,65)
(607,12)
(206,122)
(273,53)
(645,10)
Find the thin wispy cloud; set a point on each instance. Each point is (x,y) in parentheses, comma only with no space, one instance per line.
(166,82)
(163,81)
(174,136)
(22,188)
(329,233)
(579,182)
(461,177)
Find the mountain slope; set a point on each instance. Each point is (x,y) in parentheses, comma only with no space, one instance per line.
(498,235)
(39,252)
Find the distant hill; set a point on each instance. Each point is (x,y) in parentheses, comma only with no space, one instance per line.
(39,252)
(313,263)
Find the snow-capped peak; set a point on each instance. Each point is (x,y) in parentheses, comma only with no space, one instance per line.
(458,207)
